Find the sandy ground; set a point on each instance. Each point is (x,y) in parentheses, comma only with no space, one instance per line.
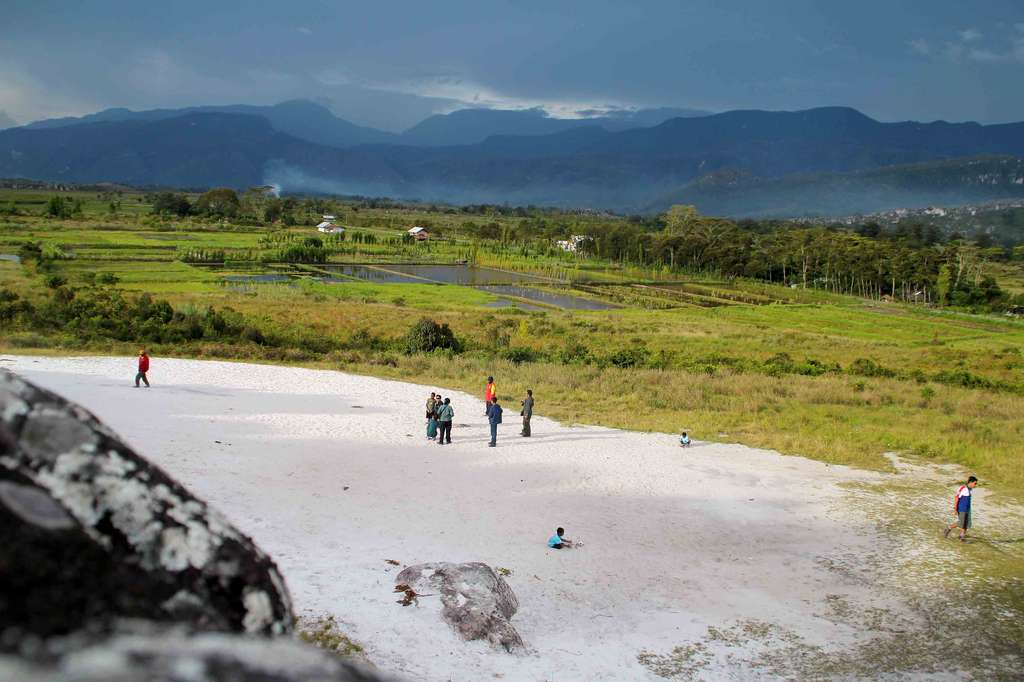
(332,475)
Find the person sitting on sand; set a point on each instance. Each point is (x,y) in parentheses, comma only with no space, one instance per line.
(558,540)
(143,368)
(684,440)
(962,508)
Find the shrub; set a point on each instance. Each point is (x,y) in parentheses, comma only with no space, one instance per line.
(54,281)
(574,354)
(630,357)
(30,252)
(427,335)
(250,333)
(869,368)
(520,355)
(107,278)
(12,306)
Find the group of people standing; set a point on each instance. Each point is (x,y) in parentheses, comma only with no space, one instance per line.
(439,419)
(440,414)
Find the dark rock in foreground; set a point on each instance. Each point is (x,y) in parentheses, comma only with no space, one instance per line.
(173,655)
(475,600)
(91,532)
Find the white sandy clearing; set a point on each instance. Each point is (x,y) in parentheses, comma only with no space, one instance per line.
(332,475)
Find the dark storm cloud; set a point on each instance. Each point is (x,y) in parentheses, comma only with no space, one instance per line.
(390,64)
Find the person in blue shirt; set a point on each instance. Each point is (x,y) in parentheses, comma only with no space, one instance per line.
(962,508)
(494,417)
(684,440)
(558,540)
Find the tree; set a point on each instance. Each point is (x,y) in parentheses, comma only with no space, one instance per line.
(221,202)
(942,285)
(680,218)
(63,207)
(169,203)
(426,336)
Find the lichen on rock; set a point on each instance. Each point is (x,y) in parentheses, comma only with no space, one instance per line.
(95,532)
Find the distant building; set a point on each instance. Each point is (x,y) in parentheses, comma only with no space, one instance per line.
(328,218)
(572,243)
(330,228)
(420,234)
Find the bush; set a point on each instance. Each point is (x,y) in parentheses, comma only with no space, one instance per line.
(630,357)
(250,333)
(54,281)
(12,306)
(574,354)
(519,355)
(869,368)
(30,252)
(427,336)
(107,278)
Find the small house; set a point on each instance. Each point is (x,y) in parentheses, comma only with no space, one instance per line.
(329,218)
(572,244)
(420,234)
(328,227)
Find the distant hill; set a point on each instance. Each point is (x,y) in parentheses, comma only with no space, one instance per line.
(6,121)
(831,160)
(472,126)
(934,183)
(315,123)
(300,118)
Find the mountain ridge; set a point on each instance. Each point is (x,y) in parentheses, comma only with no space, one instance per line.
(679,160)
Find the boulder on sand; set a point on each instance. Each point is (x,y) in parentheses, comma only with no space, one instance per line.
(91,533)
(475,600)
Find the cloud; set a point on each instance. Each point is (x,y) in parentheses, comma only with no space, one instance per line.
(26,99)
(966,47)
(305,30)
(920,46)
(464,92)
(984,55)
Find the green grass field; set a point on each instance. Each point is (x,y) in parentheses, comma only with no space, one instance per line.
(722,352)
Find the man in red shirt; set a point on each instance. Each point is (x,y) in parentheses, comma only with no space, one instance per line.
(143,368)
(489,394)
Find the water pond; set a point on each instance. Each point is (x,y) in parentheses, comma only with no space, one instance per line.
(464,275)
(550,297)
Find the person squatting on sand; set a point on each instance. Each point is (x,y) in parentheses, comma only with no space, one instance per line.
(558,540)
(684,440)
(962,509)
(494,418)
(445,413)
(526,413)
(143,368)
(432,416)
(489,394)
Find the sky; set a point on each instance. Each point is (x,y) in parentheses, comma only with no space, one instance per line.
(390,64)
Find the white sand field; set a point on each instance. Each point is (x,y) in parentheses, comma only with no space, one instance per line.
(332,474)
